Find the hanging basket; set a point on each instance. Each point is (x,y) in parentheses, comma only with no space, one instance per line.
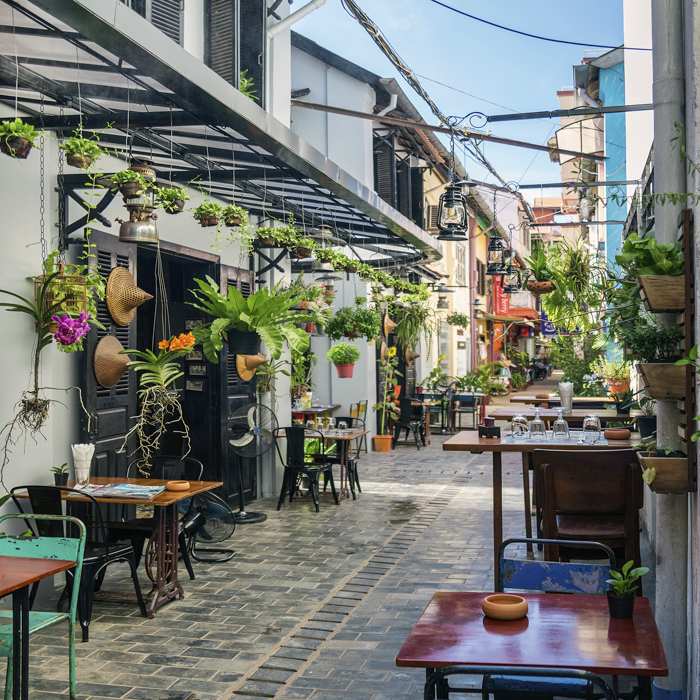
(15,146)
(662,293)
(205,221)
(351,269)
(78,161)
(233,220)
(304,252)
(540,287)
(176,207)
(70,291)
(130,190)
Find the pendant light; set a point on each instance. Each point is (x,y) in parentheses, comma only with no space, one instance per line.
(442,302)
(452,210)
(495,261)
(511,281)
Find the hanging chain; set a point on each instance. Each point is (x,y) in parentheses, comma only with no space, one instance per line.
(42,194)
(62,242)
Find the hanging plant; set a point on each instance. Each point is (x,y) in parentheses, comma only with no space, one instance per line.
(305,247)
(17,138)
(457,319)
(81,152)
(160,404)
(172,199)
(325,255)
(414,318)
(130,184)
(364,271)
(354,322)
(266,237)
(234,215)
(208,213)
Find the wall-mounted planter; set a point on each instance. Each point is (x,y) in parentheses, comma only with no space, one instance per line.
(662,293)
(540,287)
(664,474)
(663,380)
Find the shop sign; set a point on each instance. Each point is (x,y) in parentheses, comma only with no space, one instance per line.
(501,299)
(548,329)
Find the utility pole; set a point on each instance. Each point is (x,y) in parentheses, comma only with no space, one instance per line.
(671,541)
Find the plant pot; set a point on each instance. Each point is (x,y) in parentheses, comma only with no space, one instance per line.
(60,479)
(205,220)
(663,380)
(618,386)
(77,161)
(233,220)
(352,334)
(130,190)
(382,443)
(646,425)
(243,342)
(622,410)
(15,146)
(176,206)
(664,474)
(540,287)
(662,293)
(621,608)
(310,328)
(364,275)
(419,390)
(299,391)
(304,252)
(345,370)
(351,269)
(267,242)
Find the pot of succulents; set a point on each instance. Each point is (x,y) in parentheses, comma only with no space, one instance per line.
(539,276)
(208,213)
(130,184)
(305,247)
(60,474)
(172,199)
(386,405)
(266,315)
(234,215)
(17,138)
(343,356)
(621,594)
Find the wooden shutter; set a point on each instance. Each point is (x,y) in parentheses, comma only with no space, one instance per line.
(431,217)
(166,15)
(222,46)
(403,190)
(385,170)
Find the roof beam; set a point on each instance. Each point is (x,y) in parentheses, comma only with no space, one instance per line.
(578,112)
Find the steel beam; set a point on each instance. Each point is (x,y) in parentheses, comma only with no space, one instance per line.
(582,112)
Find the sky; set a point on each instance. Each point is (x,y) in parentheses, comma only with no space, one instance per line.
(487,69)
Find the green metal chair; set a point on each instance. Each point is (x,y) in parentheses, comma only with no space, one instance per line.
(68,548)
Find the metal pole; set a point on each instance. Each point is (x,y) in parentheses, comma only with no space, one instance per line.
(671,541)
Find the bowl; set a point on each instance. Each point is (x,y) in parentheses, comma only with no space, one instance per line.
(177,486)
(541,396)
(504,606)
(617,434)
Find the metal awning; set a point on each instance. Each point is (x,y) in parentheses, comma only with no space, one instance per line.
(99,63)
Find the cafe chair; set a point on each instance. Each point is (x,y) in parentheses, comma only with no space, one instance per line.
(99,553)
(67,547)
(590,495)
(409,423)
(460,405)
(438,687)
(362,416)
(336,457)
(436,410)
(295,466)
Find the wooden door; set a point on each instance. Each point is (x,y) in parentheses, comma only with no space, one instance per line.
(111,410)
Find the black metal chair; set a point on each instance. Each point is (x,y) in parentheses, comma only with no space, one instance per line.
(296,466)
(99,553)
(336,457)
(407,422)
(437,685)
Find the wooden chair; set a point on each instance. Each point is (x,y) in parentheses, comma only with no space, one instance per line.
(592,496)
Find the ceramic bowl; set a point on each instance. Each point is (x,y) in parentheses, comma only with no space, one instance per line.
(177,486)
(504,606)
(617,434)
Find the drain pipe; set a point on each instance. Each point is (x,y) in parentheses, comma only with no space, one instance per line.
(287,22)
(671,541)
(392,106)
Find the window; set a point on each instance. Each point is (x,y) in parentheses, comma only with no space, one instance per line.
(444,348)
(481,278)
(166,15)
(461,269)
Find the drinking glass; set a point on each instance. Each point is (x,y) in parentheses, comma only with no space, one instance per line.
(560,429)
(311,424)
(591,427)
(342,425)
(538,429)
(331,424)
(518,427)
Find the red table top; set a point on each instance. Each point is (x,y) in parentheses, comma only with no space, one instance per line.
(559,631)
(18,572)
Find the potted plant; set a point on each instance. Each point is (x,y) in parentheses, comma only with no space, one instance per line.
(340,261)
(266,374)
(305,247)
(60,474)
(172,199)
(266,237)
(386,406)
(265,315)
(457,319)
(665,469)
(325,255)
(364,271)
(343,356)
(234,215)
(646,424)
(81,152)
(355,321)
(208,213)
(621,596)
(17,138)
(617,374)
(624,401)
(414,318)
(130,184)
(540,273)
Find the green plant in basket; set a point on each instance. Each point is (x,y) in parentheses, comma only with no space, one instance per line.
(16,129)
(354,322)
(645,256)
(343,354)
(458,319)
(124,177)
(207,209)
(622,581)
(81,152)
(171,198)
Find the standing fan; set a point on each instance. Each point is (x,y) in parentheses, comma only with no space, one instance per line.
(209,520)
(251,433)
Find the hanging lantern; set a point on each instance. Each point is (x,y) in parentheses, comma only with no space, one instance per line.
(495,262)
(442,302)
(452,211)
(511,281)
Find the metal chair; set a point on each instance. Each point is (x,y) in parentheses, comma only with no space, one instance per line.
(296,466)
(362,415)
(65,547)
(437,686)
(436,410)
(463,404)
(99,554)
(407,422)
(336,457)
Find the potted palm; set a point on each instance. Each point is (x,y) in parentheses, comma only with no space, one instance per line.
(343,356)
(386,406)
(17,138)
(621,596)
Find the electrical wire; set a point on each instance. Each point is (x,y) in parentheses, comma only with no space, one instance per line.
(534,36)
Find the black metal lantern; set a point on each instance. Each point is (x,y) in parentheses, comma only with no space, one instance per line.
(511,281)
(452,211)
(496,259)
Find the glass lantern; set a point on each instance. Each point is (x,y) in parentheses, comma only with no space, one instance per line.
(452,211)
(495,262)
(511,281)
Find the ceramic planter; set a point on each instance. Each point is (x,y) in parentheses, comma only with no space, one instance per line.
(663,380)
(664,474)
(77,161)
(646,425)
(618,386)
(244,342)
(540,287)
(60,479)
(662,293)
(345,370)
(15,146)
(621,608)
(382,443)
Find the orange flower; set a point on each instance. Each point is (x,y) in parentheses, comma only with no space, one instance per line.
(163,345)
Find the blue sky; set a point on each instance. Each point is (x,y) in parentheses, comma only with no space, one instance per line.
(517,73)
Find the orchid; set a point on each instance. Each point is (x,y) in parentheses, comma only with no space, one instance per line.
(71,331)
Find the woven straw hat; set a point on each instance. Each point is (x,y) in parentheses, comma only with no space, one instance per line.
(389,325)
(384,351)
(109,365)
(123,296)
(247,364)
(410,356)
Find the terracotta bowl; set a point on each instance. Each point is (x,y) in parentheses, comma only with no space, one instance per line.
(541,396)
(617,434)
(177,486)
(504,606)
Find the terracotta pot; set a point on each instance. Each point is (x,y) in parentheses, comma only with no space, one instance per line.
(419,390)
(382,443)
(504,606)
(621,608)
(540,287)
(176,206)
(15,146)
(205,220)
(345,370)
(82,162)
(618,386)
(310,328)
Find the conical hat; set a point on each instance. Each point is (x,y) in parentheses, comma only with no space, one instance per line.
(123,296)
(389,325)
(410,356)
(247,364)
(108,364)
(384,351)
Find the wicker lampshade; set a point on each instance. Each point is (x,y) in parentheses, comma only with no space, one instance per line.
(108,364)
(123,296)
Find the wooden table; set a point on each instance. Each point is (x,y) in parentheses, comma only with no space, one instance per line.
(471,442)
(16,575)
(531,398)
(559,631)
(164,538)
(315,411)
(549,415)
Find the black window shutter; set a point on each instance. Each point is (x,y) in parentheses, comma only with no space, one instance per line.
(417,196)
(252,45)
(385,170)
(222,54)
(403,187)
(167,16)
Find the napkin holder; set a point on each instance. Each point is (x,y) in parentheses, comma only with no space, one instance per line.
(486,431)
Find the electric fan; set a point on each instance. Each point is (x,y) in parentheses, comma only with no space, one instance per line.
(209,521)
(251,433)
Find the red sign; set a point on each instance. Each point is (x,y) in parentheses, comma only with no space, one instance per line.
(501,299)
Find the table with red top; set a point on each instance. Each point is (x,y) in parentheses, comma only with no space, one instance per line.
(567,631)
(16,575)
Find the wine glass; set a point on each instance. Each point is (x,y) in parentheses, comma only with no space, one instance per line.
(330,425)
(560,429)
(538,429)
(311,424)
(518,426)
(591,427)
(342,426)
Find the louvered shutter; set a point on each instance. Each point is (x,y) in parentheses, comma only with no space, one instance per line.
(403,190)
(222,55)
(385,172)
(252,39)
(167,16)
(431,217)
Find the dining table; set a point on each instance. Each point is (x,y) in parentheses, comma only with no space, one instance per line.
(560,631)
(315,411)
(17,574)
(466,441)
(549,415)
(554,401)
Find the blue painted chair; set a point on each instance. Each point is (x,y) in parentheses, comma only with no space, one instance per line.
(68,548)
(460,405)
(438,410)
(437,686)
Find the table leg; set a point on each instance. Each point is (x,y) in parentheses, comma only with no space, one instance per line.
(344,450)
(645,691)
(20,644)
(497,513)
(526,498)
(166,585)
